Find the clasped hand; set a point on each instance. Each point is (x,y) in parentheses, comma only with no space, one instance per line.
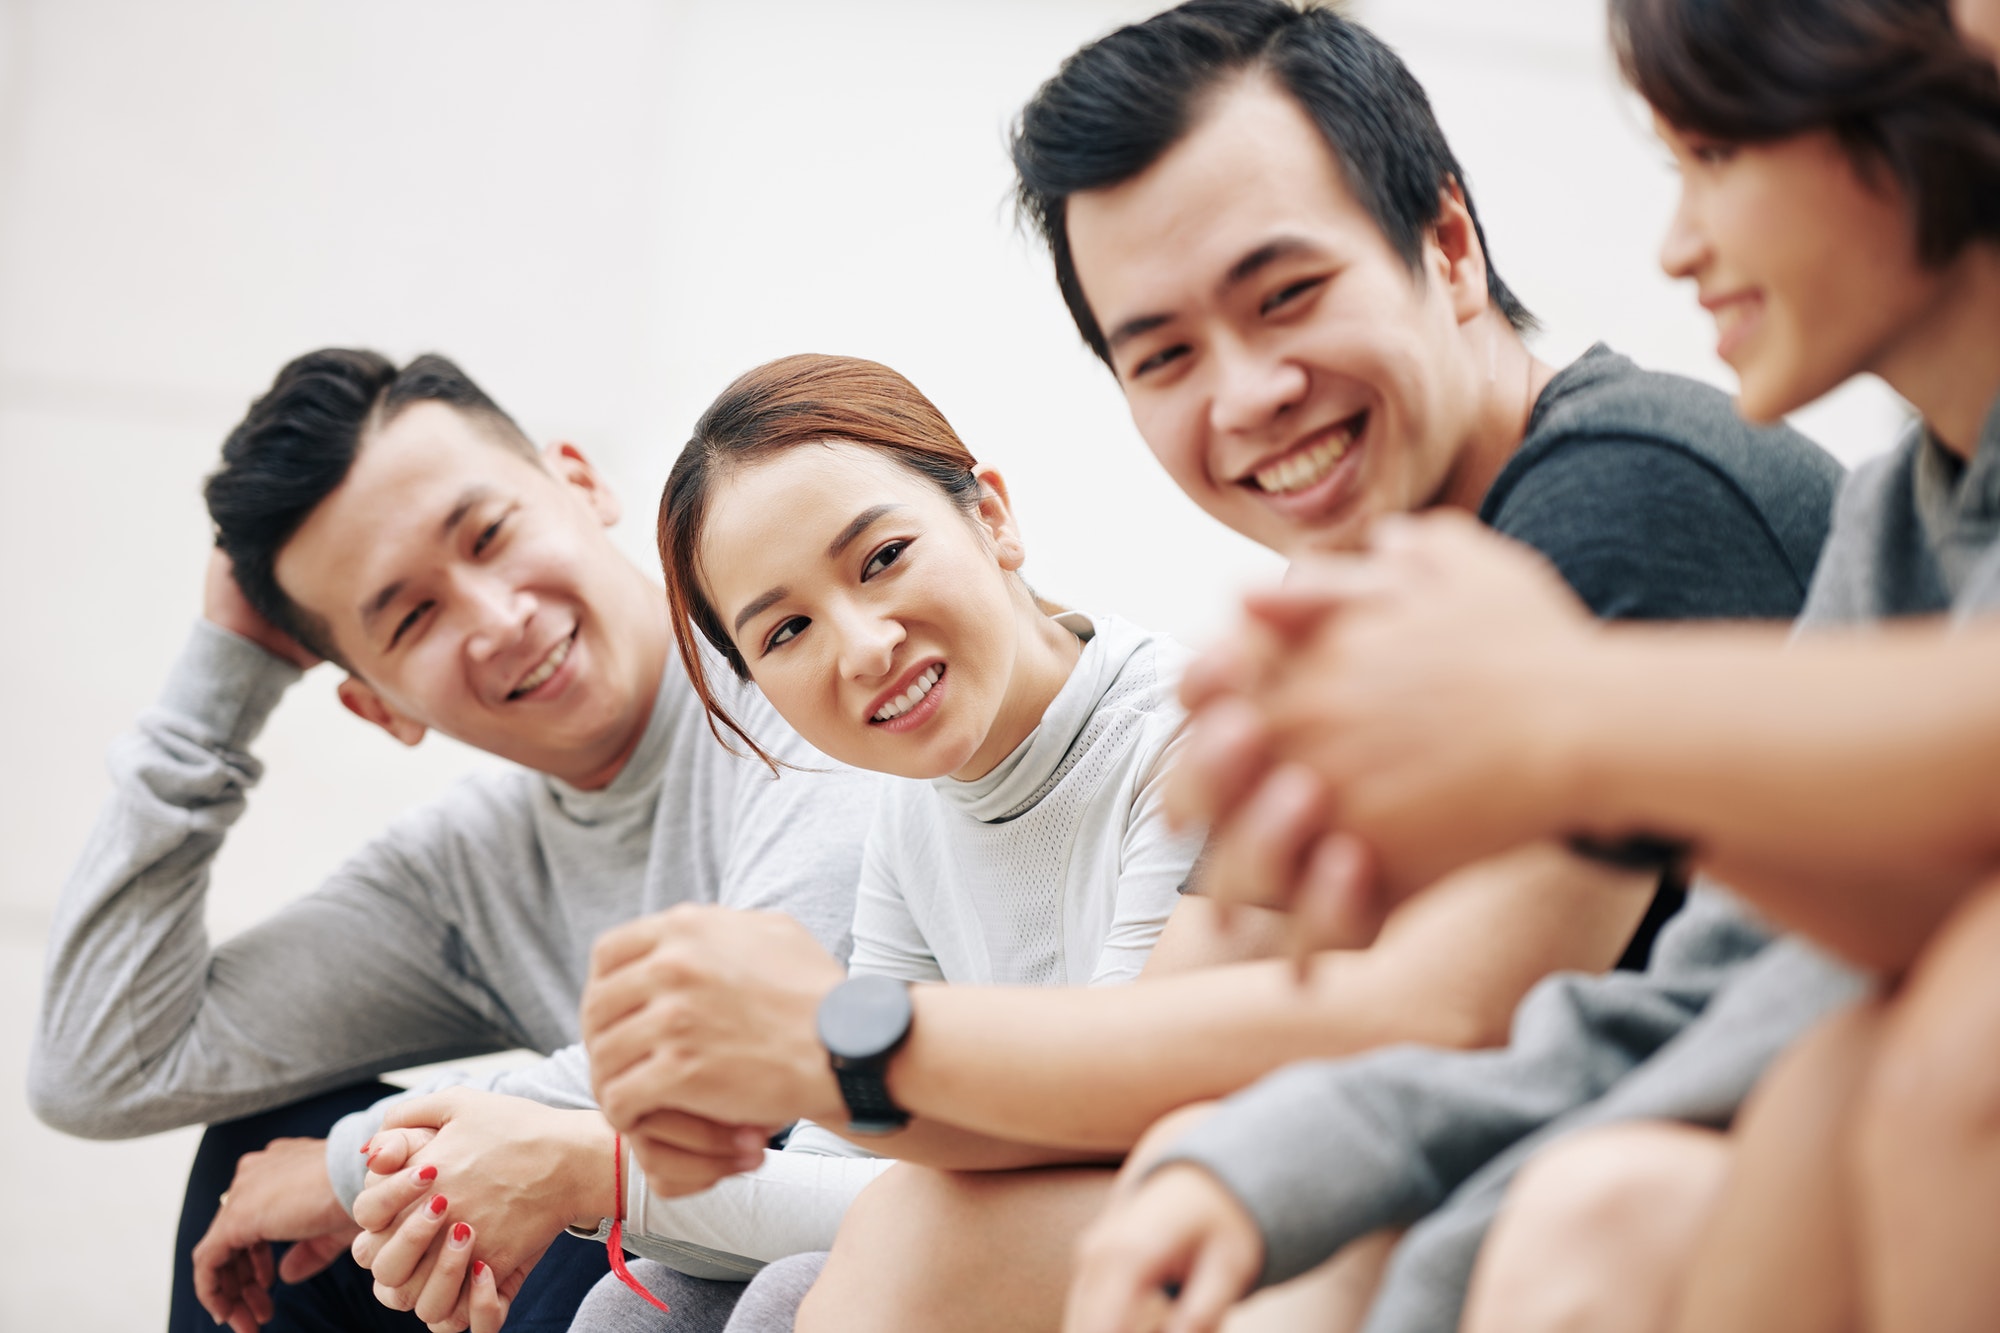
(1379,721)
(465,1192)
(700,1026)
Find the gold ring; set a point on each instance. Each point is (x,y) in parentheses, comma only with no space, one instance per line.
(222,1202)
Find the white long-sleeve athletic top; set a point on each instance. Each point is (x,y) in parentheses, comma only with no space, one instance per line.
(1057,868)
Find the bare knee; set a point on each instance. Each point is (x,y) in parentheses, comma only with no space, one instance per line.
(1932,1091)
(1595,1231)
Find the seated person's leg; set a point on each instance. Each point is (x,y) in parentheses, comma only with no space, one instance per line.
(696,1304)
(1928,1138)
(1777,1254)
(1598,1232)
(215,1164)
(922,1249)
(771,1302)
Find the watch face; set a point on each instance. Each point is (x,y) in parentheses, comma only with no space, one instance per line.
(864,1018)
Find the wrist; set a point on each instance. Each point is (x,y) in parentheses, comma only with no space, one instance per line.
(1566,730)
(595,1162)
(862,1024)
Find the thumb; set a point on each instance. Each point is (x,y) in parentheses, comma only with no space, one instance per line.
(391,1150)
(431,1111)
(310,1256)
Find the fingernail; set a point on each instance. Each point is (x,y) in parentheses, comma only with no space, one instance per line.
(460,1233)
(479,1268)
(438,1205)
(428,1174)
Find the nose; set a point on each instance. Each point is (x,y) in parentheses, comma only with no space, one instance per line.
(497,613)
(1684,249)
(1253,388)
(868,642)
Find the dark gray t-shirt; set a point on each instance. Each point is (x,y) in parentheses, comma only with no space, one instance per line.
(1656,501)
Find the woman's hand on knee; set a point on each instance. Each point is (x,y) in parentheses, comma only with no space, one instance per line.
(1173,1253)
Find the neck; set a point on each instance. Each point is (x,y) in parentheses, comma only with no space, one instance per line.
(1044,655)
(1506,379)
(644,617)
(1948,365)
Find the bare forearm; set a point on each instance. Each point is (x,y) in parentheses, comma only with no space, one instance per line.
(954,1148)
(1091,1069)
(1845,782)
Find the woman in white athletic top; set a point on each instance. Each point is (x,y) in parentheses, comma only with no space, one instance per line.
(827,533)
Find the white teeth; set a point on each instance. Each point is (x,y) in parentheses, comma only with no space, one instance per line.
(546,669)
(1297,471)
(907,700)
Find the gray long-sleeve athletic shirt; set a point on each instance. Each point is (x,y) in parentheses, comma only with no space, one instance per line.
(465,928)
(1325,1152)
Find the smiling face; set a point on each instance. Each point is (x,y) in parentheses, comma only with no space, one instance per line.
(1281,359)
(1810,271)
(471,590)
(880,620)
(1979,20)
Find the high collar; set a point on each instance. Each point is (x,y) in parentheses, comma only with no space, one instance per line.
(1016,782)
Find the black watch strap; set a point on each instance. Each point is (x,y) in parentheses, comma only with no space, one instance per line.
(870,1108)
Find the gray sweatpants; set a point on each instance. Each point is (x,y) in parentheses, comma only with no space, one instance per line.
(766,1304)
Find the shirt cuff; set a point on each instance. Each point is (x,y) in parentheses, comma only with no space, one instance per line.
(224,686)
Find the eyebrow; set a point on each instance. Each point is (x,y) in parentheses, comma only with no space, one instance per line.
(1265,255)
(1282,247)
(467,501)
(860,523)
(758,606)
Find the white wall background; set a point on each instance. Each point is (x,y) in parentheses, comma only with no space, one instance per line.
(604,210)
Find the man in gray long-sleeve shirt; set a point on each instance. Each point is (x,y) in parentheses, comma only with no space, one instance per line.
(396,522)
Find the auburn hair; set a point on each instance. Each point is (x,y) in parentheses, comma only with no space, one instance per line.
(796,400)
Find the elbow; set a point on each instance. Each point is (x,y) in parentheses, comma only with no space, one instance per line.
(55,1099)
(63,1097)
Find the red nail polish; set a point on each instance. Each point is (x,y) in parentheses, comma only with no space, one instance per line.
(438,1205)
(428,1174)
(478,1268)
(461,1233)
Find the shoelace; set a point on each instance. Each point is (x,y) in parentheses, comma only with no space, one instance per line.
(613,1243)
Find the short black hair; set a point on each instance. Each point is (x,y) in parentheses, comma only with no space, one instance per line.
(1893,80)
(295,446)
(1116,106)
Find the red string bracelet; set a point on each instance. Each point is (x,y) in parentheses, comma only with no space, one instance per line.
(613,1242)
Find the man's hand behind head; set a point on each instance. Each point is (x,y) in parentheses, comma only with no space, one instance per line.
(223,603)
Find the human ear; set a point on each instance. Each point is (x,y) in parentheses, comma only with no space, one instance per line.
(570,467)
(1459,259)
(996,516)
(360,699)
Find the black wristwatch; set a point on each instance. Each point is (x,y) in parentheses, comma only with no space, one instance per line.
(861,1023)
